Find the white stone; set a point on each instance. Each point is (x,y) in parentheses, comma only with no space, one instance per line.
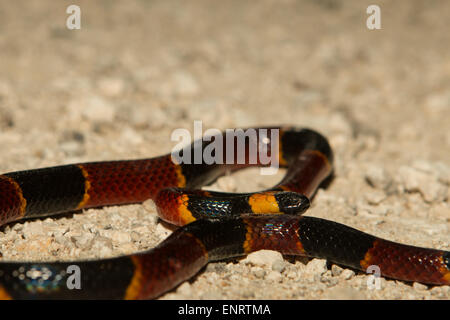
(347,274)
(316,266)
(378,177)
(263,258)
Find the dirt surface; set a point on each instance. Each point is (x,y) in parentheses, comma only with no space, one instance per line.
(137,70)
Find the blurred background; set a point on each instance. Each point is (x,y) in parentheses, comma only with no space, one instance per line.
(137,70)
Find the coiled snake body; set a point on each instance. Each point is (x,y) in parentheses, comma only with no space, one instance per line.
(214,226)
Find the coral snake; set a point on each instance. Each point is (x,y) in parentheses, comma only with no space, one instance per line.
(215,225)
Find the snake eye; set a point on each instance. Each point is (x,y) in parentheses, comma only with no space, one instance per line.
(292,202)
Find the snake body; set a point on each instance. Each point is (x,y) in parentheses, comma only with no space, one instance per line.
(215,225)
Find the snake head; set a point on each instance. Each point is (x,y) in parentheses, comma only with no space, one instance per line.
(292,202)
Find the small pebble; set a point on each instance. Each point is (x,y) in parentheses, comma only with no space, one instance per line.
(375,197)
(414,180)
(81,240)
(316,266)
(32,229)
(347,274)
(378,178)
(336,270)
(263,258)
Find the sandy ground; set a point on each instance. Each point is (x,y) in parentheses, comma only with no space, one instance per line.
(137,70)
